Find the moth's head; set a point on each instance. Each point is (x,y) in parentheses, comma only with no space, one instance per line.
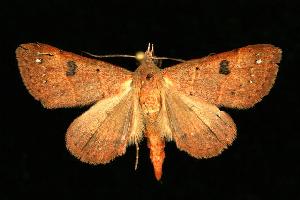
(148,63)
(150,51)
(147,56)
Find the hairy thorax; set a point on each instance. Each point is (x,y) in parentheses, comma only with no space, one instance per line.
(149,79)
(150,99)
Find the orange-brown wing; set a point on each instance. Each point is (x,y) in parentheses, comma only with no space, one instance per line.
(197,127)
(62,79)
(238,78)
(104,131)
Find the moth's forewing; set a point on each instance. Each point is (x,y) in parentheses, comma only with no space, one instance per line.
(237,79)
(62,79)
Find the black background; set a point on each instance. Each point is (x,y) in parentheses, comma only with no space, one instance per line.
(262,162)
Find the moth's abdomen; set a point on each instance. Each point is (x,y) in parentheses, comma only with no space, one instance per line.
(156,145)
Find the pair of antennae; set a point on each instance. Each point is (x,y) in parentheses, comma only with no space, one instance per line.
(139,55)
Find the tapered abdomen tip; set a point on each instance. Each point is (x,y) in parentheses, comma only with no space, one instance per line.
(158,170)
(157,156)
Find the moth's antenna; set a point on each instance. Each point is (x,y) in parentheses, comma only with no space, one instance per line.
(139,55)
(167,58)
(110,55)
(150,49)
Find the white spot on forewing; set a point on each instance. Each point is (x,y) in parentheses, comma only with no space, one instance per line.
(38,60)
(258,61)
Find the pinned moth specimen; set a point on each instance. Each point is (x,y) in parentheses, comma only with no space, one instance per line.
(179,103)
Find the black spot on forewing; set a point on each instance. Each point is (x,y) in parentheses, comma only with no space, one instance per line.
(224,67)
(71,68)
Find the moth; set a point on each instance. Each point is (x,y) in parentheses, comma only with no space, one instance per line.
(179,103)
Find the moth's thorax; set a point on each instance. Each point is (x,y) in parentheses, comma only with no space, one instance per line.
(149,78)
